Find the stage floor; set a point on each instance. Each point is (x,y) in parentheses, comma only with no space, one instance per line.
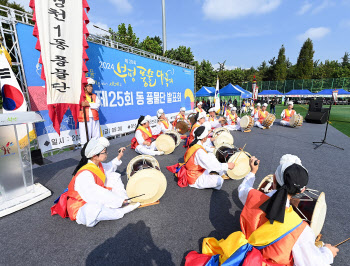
(163,234)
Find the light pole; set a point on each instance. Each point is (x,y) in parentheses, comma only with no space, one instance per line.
(164,28)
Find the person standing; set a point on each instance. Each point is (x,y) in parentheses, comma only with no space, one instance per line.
(273,104)
(91,106)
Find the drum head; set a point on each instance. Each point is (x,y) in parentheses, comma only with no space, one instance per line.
(165,143)
(242,167)
(244,122)
(175,135)
(223,150)
(265,185)
(150,182)
(140,160)
(292,120)
(224,137)
(182,127)
(268,121)
(319,214)
(296,120)
(219,130)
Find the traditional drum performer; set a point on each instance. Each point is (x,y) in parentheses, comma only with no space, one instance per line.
(163,122)
(91,106)
(212,119)
(255,112)
(287,114)
(200,118)
(203,169)
(181,117)
(199,108)
(262,114)
(96,192)
(233,119)
(143,142)
(272,232)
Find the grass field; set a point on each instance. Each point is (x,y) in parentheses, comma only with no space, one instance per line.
(340,115)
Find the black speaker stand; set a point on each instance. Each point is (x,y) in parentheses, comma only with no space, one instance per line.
(325,134)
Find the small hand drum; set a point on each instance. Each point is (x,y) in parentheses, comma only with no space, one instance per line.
(296,121)
(223,137)
(182,127)
(246,122)
(145,177)
(168,141)
(268,121)
(191,118)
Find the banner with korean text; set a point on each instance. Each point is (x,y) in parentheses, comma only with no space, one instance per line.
(128,86)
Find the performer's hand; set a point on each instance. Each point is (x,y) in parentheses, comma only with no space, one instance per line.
(252,165)
(85,103)
(333,249)
(121,152)
(231,166)
(147,143)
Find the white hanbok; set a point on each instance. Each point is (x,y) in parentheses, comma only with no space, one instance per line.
(282,122)
(162,128)
(304,251)
(101,204)
(209,162)
(92,125)
(144,149)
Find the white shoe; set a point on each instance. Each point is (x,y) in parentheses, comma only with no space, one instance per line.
(159,152)
(131,207)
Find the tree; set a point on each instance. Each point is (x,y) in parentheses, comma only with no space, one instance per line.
(182,54)
(125,36)
(205,74)
(151,45)
(280,69)
(13,5)
(305,62)
(346,60)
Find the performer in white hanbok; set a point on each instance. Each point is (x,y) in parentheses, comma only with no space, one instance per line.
(255,113)
(200,118)
(289,179)
(208,144)
(199,109)
(143,142)
(262,114)
(212,119)
(163,122)
(96,192)
(91,106)
(233,120)
(203,169)
(181,116)
(287,114)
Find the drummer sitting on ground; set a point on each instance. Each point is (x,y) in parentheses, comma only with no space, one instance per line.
(96,192)
(181,117)
(212,119)
(255,112)
(233,120)
(272,233)
(262,114)
(143,142)
(289,179)
(287,114)
(199,108)
(200,118)
(200,164)
(163,122)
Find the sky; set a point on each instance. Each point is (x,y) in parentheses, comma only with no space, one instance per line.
(244,33)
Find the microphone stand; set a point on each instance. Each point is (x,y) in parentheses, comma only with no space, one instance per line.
(325,134)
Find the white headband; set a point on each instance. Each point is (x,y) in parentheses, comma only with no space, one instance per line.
(286,161)
(90,81)
(201,115)
(183,109)
(146,119)
(95,146)
(160,112)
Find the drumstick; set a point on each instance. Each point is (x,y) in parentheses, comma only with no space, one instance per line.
(124,147)
(240,153)
(136,197)
(255,162)
(342,242)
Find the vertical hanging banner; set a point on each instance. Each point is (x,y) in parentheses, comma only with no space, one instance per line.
(60,27)
(254,89)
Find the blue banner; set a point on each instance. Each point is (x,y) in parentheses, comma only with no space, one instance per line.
(128,85)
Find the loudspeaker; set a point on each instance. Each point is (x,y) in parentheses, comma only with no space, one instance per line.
(315,105)
(317,117)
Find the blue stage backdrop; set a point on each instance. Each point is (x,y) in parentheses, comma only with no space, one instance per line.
(128,86)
